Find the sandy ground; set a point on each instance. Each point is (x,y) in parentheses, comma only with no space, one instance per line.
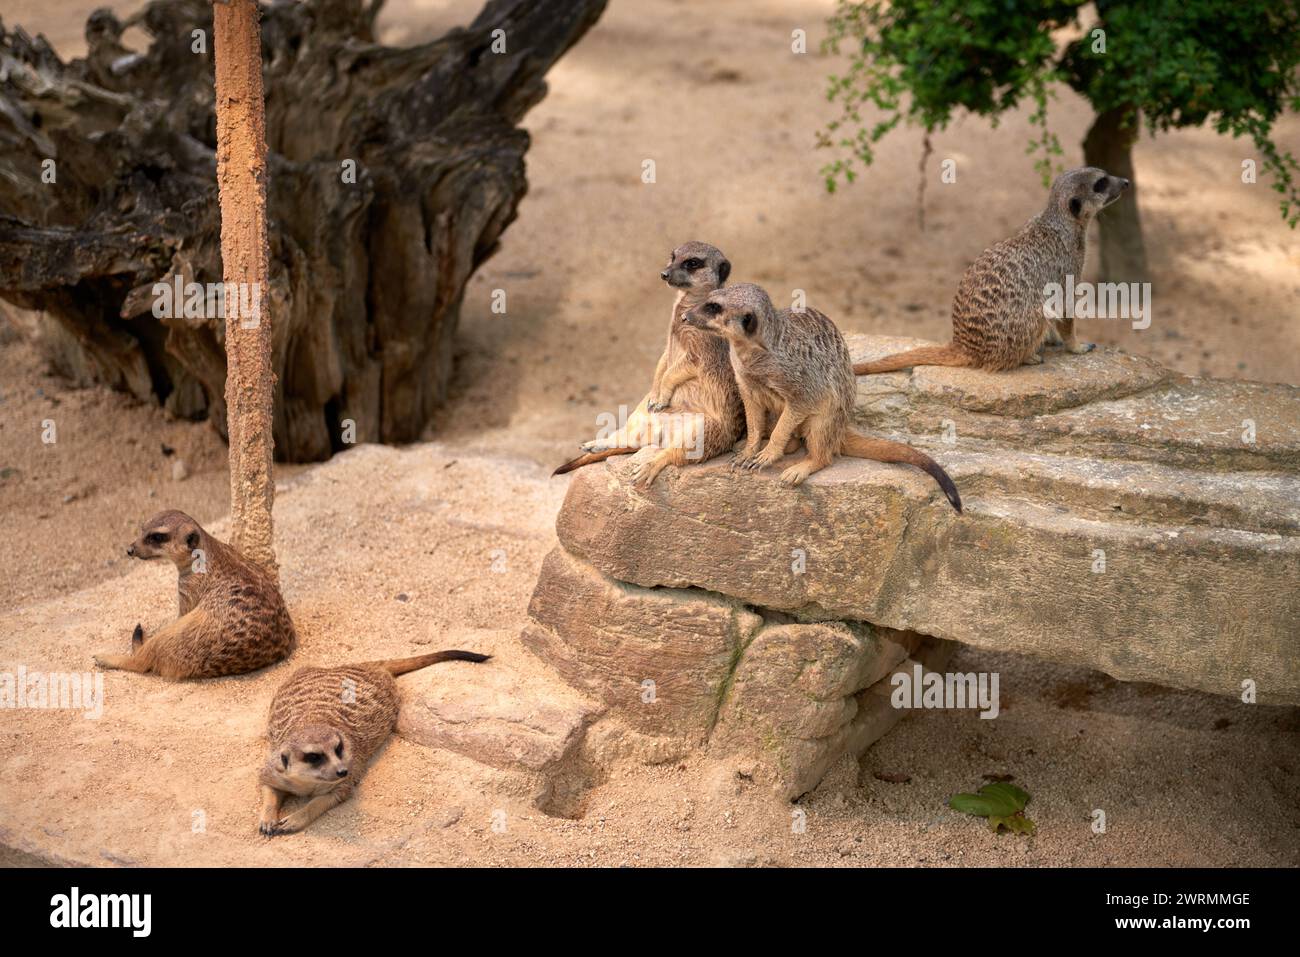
(716,99)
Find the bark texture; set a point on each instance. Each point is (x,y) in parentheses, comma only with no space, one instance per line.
(241,181)
(391,176)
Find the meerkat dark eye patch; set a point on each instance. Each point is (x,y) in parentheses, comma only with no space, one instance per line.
(692,265)
(724,270)
(1101,185)
(748,322)
(711,309)
(313,758)
(284,760)
(339,750)
(156,538)
(192,539)
(1075,206)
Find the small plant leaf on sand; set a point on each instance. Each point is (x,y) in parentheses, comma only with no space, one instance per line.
(1001,803)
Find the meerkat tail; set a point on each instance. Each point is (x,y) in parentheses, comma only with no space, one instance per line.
(883,450)
(925,356)
(589,458)
(400,666)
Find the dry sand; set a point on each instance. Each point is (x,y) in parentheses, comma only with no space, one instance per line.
(713,96)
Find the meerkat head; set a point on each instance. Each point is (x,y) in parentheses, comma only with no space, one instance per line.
(1080,194)
(313,758)
(169,534)
(740,313)
(696,267)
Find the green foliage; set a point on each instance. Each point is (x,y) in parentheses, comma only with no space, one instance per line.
(1175,63)
(1002,803)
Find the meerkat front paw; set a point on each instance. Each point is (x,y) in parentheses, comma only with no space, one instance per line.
(660,403)
(768,456)
(795,474)
(742,458)
(1034,359)
(1079,348)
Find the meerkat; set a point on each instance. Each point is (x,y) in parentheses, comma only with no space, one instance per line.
(324,725)
(693,409)
(231,618)
(796,365)
(998,321)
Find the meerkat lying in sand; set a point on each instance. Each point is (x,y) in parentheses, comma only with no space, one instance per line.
(998,321)
(231,616)
(796,365)
(325,723)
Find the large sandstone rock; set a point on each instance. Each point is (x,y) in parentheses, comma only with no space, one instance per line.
(1117,515)
(676,670)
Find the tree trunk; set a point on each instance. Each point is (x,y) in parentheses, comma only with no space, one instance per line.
(241,180)
(1109,146)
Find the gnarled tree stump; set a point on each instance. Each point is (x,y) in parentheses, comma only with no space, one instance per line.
(393,173)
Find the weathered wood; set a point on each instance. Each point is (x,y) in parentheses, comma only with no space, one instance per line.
(367,272)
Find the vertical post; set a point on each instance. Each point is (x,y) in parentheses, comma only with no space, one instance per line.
(241,179)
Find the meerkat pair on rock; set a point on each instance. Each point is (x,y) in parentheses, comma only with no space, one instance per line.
(795,365)
(231,617)
(998,320)
(693,410)
(325,724)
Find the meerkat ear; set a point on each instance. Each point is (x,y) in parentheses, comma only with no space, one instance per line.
(724,270)
(1075,206)
(192,540)
(748,322)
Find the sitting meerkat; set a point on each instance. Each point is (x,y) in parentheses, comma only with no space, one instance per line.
(692,411)
(325,723)
(998,321)
(231,617)
(797,366)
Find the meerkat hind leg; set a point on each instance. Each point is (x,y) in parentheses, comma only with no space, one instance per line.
(112,662)
(1065,329)
(645,471)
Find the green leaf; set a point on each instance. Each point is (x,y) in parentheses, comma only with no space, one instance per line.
(1001,802)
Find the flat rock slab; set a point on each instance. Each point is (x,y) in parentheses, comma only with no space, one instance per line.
(1116,516)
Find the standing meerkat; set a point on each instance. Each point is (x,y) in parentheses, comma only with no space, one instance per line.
(231,617)
(998,320)
(324,725)
(693,409)
(796,365)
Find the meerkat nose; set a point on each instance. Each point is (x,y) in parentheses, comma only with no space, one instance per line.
(343,772)
(1124,184)
(664,275)
(130,550)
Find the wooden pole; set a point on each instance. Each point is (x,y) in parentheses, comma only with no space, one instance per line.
(241,178)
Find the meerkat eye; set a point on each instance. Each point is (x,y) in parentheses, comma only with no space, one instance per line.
(313,758)
(339,750)
(1101,185)
(712,309)
(156,538)
(692,264)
